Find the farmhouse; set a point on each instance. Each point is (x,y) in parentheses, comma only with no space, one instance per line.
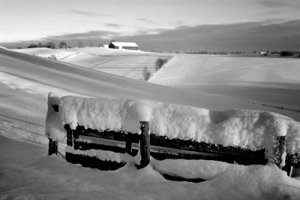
(124,45)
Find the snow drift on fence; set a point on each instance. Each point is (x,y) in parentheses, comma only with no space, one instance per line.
(54,126)
(250,129)
(100,154)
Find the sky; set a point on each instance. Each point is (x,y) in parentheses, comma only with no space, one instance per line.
(174,24)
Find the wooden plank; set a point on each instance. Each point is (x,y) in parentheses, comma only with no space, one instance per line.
(180,151)
(103,141)
(162,147)
(87,143)
(153,149)
(199,146)
(107,134)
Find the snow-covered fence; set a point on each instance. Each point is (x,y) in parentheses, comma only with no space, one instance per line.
(243,136)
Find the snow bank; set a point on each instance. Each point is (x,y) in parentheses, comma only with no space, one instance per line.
(250,129)
(244,128)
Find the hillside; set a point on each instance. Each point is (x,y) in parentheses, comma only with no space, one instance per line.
(126,63)
(194,70)
(271,82)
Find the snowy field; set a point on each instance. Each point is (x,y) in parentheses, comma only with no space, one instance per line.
(270,82)
(26,171)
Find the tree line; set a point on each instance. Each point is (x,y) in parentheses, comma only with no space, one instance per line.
(50,45)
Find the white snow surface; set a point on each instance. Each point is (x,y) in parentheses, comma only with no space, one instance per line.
(27,173)
(126,44)
(252,129)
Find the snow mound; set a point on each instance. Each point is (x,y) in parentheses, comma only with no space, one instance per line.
(191,169)
(98,114)
(252,129)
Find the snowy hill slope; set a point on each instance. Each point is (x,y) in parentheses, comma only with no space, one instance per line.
(25,82)
(130,66)
(127,63)
(202,69)
(41,75)
(47,53)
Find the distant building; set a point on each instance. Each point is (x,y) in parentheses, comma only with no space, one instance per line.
(124,45)
(264,53)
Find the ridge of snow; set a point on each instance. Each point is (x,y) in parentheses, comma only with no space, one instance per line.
(252,129)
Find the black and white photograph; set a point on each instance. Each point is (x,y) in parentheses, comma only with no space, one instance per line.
(149,99)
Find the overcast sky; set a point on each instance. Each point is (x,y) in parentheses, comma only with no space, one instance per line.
(174,24)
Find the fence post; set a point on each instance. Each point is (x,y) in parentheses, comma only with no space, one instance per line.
(53,145)
(69,135)
(144,144)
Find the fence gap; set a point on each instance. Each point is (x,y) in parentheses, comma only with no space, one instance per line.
(129,144)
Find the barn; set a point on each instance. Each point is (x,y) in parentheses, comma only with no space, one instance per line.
(124,45)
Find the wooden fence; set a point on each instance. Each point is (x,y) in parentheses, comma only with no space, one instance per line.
(161,147)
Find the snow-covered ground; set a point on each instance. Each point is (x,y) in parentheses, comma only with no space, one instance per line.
(26,171)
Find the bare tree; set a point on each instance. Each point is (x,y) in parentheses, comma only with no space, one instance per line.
(62,45)
(146,74)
